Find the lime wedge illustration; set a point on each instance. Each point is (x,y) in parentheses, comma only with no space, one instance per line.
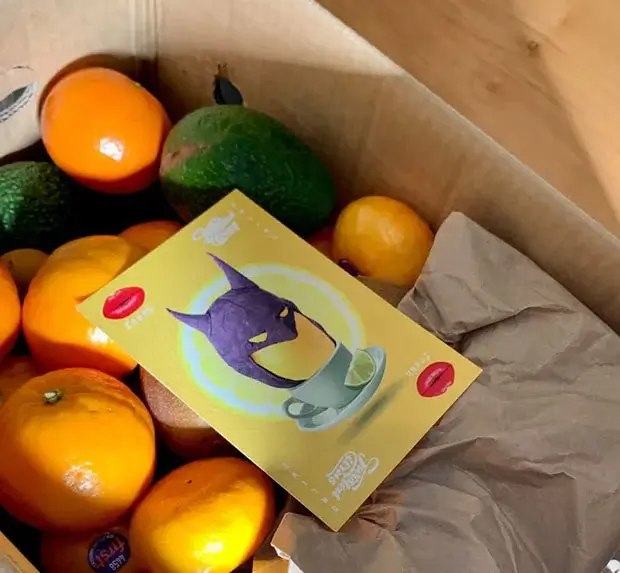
(361,371)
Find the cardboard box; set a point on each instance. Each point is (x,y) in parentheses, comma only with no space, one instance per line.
(538,76)
(11,560)
(379,129)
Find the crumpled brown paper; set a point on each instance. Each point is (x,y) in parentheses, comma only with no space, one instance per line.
(523,473)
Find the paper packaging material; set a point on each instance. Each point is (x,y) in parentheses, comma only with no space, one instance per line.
(380,130)
(518,472)
(286,355)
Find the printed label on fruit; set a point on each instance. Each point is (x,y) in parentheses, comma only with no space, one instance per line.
(283,353)
(109,553)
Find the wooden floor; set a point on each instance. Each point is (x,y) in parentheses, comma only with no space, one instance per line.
(542,77)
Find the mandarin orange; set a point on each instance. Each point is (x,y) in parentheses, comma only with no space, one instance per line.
(382,238)
(151,234)
(24,264)
(81,447)
(104,130)
(209,515)
(10,311)
(57,334)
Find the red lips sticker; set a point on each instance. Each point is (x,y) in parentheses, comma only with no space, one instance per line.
(123,303)
(435,379)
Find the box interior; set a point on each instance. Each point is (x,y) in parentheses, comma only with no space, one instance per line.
(380,130)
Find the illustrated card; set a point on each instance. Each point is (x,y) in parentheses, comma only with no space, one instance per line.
(306,371)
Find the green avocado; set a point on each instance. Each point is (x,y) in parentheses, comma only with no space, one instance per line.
(35,206)
(214,150)
(42,208)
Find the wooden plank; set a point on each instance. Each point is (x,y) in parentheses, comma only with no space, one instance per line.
(542,77)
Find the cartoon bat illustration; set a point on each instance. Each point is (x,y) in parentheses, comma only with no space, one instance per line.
(246,323)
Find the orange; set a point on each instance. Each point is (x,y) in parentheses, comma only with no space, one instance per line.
(104,130)
(10,311)
(23,265)
(152,234)
(323,241)
(382,238)
(104,550)
(81,447)
(15,371)
(209,515)
(57,334)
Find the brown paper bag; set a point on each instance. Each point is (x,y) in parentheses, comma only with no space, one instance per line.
(523,473)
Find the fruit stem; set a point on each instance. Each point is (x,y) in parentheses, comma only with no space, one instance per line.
(224,91)
(52,397)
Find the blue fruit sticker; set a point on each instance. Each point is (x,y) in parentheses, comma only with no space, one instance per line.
(109,553)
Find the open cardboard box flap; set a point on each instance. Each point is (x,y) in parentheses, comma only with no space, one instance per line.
(380,130)
(540,77)
(11,560)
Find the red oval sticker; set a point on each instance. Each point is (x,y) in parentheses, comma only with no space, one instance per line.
(435,379)
(123,303)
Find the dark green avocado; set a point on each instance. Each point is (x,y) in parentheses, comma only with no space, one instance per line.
(36,201)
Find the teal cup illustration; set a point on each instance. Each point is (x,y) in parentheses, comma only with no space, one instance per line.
(326,389)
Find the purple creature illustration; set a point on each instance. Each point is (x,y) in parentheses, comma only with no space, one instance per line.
(236,319)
